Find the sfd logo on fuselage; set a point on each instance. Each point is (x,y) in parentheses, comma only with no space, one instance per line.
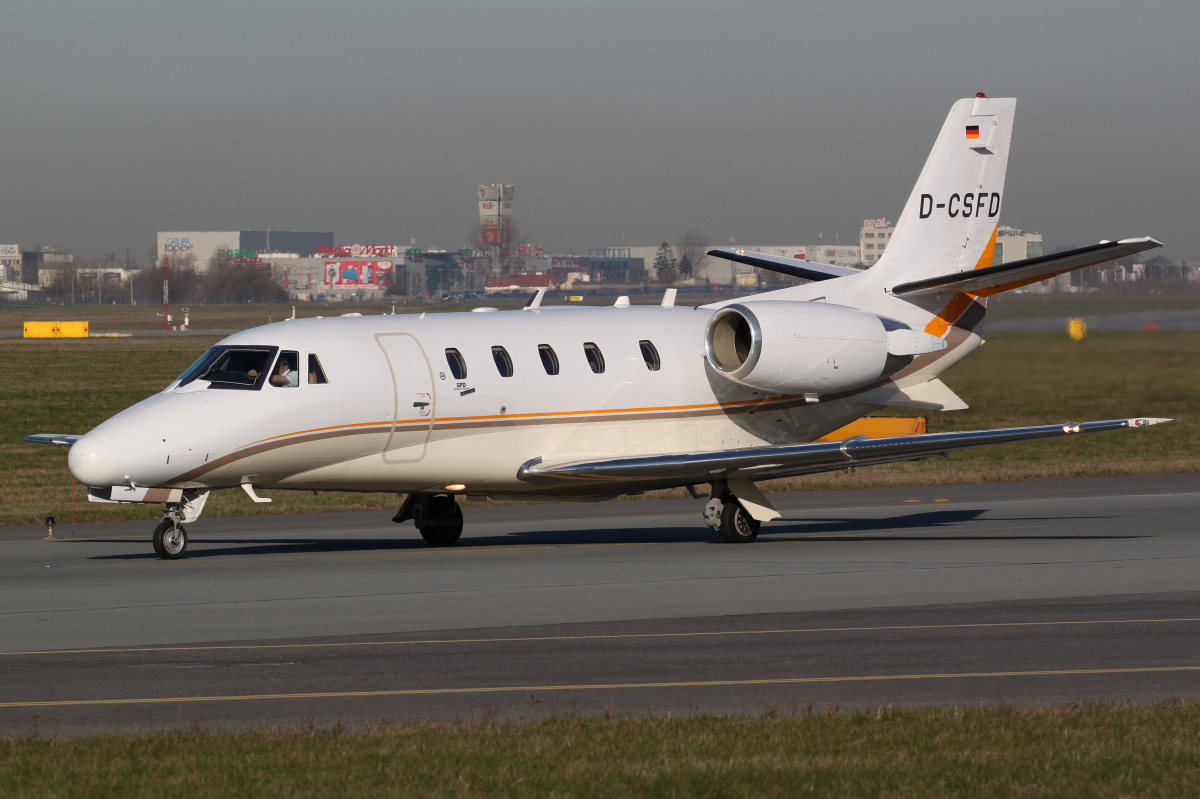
(966,205)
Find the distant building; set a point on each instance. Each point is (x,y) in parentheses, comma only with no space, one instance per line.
(1016,245)
(200,247)
(10,263)
(39,266)
(873,239)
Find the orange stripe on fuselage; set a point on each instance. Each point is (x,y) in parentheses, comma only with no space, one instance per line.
(960,302)
(544,414)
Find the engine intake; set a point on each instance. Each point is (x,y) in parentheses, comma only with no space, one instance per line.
(805,347)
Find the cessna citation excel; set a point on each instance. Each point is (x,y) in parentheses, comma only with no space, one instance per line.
(595,402)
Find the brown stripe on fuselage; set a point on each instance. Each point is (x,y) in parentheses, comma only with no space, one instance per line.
(766,404)
(233,457)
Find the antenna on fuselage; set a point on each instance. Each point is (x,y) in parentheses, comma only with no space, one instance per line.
(669,298)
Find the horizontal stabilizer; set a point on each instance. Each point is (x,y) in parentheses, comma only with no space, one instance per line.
(1003,277)
(764,463)
(933,395)
(809,270)
(57,439)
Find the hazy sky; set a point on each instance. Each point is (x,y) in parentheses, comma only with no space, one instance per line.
(772,122)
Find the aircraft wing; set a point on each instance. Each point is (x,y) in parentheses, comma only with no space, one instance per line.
(1002,277)
(809,270)
(57,439)
(763,463)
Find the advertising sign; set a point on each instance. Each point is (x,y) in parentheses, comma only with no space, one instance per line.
(358,251)
(200,245)
(349,274)
(10,251)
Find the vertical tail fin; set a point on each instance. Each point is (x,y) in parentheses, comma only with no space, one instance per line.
(949,223)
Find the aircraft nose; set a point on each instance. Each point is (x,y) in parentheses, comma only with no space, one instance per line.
(93,461)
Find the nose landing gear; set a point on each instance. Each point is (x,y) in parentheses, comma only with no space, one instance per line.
(170,539)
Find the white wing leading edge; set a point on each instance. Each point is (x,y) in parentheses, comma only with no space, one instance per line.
(764,463)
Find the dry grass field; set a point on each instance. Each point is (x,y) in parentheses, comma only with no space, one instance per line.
(69,386)
(240,316)
(1105,750)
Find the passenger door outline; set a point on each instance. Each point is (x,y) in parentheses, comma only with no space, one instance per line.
(414,400)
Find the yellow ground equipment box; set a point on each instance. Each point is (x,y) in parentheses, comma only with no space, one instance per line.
(879,427)
(56,330)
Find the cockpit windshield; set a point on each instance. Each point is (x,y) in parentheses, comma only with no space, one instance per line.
(231,367)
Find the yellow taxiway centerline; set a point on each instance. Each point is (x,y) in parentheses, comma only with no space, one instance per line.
(599,686)
(615,636)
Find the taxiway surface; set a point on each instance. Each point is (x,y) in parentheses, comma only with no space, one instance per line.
(1022,592)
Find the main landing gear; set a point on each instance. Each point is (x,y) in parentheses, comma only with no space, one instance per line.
(438,518)
(728,517)
(736,509)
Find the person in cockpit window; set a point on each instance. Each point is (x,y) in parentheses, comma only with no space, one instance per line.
(285,372)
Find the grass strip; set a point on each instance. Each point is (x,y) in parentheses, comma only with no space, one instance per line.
(1097,750)
(69,386)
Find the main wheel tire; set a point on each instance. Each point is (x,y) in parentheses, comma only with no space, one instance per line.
(170,540)
(738,526)
(441,523)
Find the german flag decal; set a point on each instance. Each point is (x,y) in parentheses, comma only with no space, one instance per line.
(972,131)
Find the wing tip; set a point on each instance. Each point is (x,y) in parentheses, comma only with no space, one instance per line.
(1148,240)
(1147,421)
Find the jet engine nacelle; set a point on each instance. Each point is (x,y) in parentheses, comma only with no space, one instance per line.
(807,347)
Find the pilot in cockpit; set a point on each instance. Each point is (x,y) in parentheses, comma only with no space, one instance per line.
(238,366)
(285,371)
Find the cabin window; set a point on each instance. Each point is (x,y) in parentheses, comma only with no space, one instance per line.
(549,359)
(286,372)
(595,358)
(650,355)
(457,364)
(231,367)
(316,375)
(504,363)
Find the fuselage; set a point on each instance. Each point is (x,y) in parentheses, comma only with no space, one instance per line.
(389,413)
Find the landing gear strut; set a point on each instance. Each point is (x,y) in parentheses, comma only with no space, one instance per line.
(438,518)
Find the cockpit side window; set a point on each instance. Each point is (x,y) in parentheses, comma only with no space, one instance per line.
(286,373)
(316,375)
(201,363)
(233,367)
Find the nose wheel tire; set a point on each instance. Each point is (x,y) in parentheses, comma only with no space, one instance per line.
(170,540)
(738,526)
(440,521)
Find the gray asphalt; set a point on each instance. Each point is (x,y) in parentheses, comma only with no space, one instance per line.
(1027,592)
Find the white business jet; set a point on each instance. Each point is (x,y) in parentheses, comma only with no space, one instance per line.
(593,403)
